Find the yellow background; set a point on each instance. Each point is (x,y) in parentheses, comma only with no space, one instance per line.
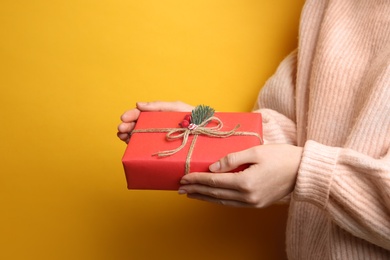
(68,69)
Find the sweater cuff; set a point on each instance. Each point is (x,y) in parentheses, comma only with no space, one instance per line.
(316,173)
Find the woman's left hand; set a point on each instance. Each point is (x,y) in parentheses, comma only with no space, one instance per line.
(270,177)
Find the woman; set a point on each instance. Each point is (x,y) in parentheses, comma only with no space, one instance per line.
(326,115)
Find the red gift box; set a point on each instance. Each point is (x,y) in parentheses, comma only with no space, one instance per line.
(145,170)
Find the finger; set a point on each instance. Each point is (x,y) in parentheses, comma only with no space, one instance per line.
(234,160)
(124,137)
(126,127)
(164,106)
(221,180)
(232,203)
(214,192)
(130,115)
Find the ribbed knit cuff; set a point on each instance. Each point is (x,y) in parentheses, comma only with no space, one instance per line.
(316,173)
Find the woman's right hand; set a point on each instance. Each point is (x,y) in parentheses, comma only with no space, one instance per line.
(129,118)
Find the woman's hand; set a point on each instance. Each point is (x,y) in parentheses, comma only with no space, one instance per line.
(270,178)
(129,118)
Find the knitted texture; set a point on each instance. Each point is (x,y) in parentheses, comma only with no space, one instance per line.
(332,97)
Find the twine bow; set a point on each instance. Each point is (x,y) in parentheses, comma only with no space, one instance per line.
(196,130)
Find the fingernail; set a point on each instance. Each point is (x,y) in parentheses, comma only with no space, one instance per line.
(215,166)
(180,191)
(142,103)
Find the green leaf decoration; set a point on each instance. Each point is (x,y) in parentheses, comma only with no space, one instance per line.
(201,113)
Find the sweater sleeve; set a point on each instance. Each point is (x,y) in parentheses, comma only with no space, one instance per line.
(354,188)
(276,103)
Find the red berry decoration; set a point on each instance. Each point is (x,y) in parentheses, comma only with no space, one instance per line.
(188,118)
(184,124)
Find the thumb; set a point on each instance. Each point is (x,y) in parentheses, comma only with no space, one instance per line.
(234,160)
(164,106)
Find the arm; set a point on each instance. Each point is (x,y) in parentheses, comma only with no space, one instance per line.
(276,102)
(354,189)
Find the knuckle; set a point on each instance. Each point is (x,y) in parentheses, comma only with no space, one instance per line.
(245,185)
(215,193)
(213,182)
(252,199)
(230,160)
(257,153)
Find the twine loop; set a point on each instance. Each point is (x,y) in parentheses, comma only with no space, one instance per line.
(192,129)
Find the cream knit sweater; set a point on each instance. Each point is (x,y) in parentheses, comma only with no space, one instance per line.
(332,97)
